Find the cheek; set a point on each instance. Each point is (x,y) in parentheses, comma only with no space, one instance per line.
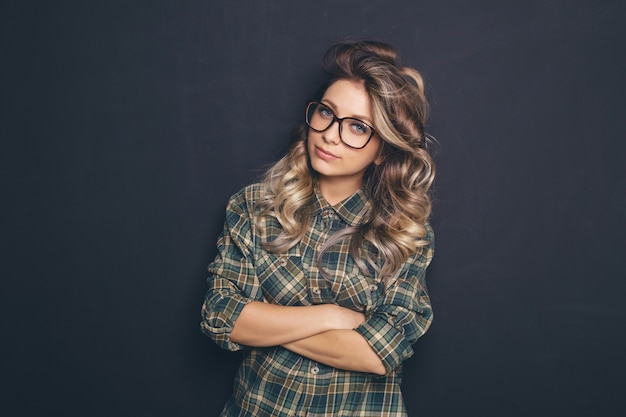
(378,156)
(374,153)
(313,138)
(361,160)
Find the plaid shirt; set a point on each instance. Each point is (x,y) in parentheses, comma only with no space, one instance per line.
(274,381)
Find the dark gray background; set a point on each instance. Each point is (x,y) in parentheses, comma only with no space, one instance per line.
(126,126)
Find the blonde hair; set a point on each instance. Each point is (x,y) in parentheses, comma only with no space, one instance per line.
(398,187)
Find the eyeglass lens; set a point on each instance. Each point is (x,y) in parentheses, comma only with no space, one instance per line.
(353,132)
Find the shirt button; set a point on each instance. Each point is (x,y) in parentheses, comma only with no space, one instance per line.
(373,288)
(315,290)
(315,370)
(282,261)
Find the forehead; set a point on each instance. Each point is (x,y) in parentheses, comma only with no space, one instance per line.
(348,98)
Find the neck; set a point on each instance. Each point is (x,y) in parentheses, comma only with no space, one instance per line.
(335,190)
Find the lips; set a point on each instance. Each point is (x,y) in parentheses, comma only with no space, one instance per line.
(323,154)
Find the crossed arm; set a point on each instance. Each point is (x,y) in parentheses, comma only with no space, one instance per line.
(323,333)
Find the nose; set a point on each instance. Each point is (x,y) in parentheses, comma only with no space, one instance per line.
(331,135)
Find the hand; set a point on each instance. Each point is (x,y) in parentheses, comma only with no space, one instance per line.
(346,319)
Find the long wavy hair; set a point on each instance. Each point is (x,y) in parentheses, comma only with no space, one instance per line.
(398,187)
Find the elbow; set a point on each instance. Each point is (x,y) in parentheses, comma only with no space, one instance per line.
(379,369)
(240,337)
(374,365)
(244,339)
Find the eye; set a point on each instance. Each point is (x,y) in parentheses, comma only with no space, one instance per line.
(325,112)
(358,127)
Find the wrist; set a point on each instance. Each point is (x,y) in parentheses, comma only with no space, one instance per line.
(339,318)
(328,315)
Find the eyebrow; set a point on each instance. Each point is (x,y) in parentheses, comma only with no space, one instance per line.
(333,107)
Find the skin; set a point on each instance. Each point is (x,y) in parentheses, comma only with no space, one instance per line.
(323,333)
(340,167)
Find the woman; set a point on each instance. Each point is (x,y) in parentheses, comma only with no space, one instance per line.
(319,276)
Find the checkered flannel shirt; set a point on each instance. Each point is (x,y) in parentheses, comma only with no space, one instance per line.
(274,381)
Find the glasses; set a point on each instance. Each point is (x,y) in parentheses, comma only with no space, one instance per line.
(357,133)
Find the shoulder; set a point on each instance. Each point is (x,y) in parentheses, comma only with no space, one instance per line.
(424,254)
(241,204)
(430,236)
(247,197)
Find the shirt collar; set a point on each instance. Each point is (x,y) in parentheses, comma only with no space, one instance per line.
(353,210)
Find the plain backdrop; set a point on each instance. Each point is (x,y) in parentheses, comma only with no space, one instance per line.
(126,125)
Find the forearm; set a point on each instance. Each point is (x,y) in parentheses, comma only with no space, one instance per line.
(343,349)
(263,324)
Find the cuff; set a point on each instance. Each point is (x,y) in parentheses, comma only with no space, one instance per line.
(219,316)
(389,344)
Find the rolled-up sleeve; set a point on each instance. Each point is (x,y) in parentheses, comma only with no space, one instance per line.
(405,312)
(232,277)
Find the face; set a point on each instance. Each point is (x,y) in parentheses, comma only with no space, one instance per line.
(335,162)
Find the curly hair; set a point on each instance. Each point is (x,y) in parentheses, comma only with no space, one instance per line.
(398,187)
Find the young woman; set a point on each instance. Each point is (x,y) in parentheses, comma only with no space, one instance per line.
(319,276)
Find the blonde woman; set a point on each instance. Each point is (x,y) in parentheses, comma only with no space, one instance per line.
(320,272)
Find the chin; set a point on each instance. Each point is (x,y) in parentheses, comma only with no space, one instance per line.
(319,170)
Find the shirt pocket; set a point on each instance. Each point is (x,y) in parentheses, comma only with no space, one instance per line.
(358,292)
(282,279)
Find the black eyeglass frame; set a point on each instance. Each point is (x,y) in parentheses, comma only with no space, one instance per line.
(339,121)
